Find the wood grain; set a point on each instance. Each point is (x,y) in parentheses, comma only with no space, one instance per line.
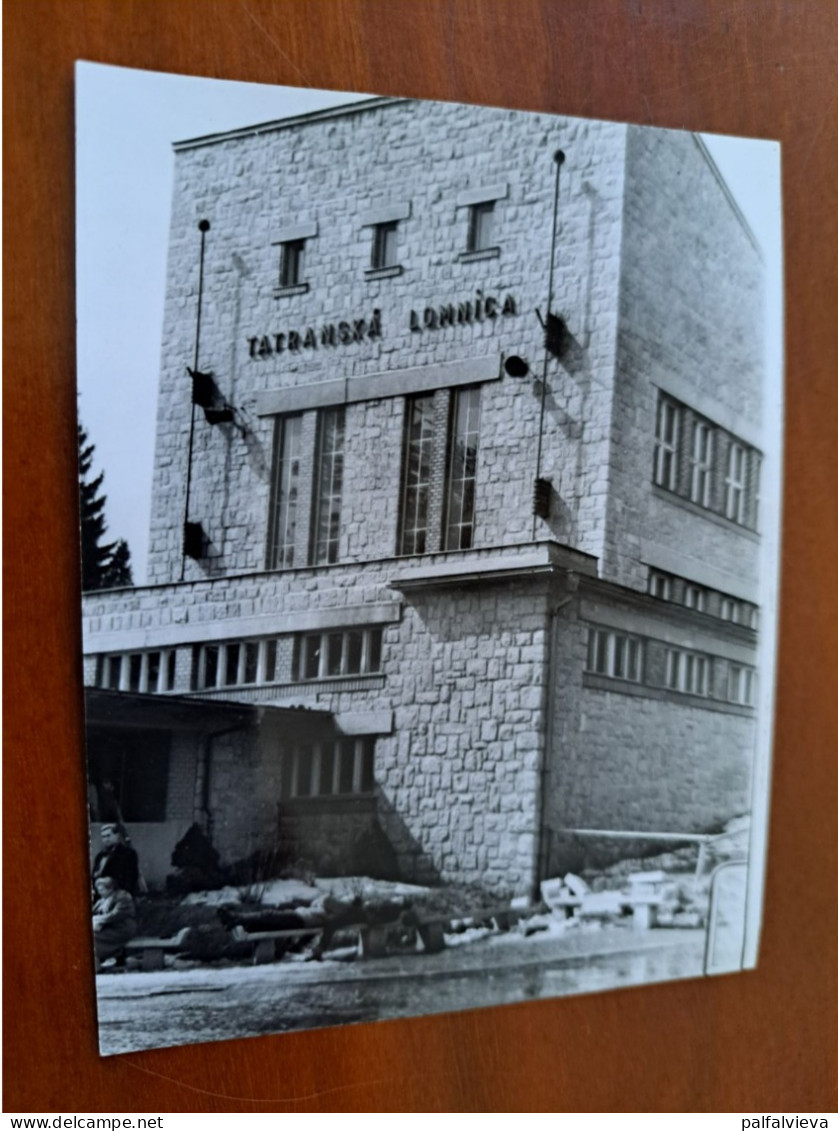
(762,1041)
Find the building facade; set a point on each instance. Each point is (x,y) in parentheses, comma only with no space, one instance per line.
(455,503)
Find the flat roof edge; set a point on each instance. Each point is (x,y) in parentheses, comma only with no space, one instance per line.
(364,103)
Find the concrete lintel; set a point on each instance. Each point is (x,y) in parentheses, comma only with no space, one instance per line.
(670,560)
(481,195)
(364,722)
(295,232)
(655,626)
(374,386)
(385,214)
(241,628)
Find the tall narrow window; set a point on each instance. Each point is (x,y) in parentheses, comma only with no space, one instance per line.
(328,487)
(695,598)
(481,226)
(687,672)
(458,521)
(331,768)
(351,651)
(285,483)
(702,464)
(416,474)
(735,483)
(385,245)
(615,654)
(291,259)
(740,685)
(666,444)
(660,585)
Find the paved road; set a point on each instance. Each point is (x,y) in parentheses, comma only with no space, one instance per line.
(139,1011)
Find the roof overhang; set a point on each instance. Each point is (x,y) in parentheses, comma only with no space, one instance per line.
(514,564)
(129,709)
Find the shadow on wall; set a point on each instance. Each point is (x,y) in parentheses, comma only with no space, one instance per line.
(414,864)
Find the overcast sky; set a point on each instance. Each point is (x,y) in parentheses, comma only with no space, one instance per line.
(126,121)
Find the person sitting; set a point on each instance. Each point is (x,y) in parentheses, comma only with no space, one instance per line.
(114,922)
(330,914)
(117,860)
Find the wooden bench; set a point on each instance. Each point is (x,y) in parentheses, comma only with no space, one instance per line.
(152,951)
(264,942)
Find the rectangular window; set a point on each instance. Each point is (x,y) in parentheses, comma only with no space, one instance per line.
(735,483)
(144,672)
(667,432)
(687,672)
(695,598)
(416,474)
(291,258)
(324,655)
(740,685)
(464,433)
(385,245)
(702,464)
(328,486)
(285,489)
(660,585)
(481,226)
(233,664)
(730,610)
(615,654)
(331,768)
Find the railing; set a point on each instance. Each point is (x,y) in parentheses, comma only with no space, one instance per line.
(725,939)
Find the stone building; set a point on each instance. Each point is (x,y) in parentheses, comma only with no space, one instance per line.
(455,537)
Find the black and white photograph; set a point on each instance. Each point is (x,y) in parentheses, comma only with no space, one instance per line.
(429,463)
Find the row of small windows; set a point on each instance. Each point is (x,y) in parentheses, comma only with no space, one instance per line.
(702,462)
(636,659)
(239,663)
(668,587)
(320,655)
(332,768)
(320,487)
(137,671)
(384,246)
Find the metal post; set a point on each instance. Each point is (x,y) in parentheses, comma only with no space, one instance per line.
(203,228)
(558,157)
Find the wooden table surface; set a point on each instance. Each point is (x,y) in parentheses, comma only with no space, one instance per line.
(763,1041)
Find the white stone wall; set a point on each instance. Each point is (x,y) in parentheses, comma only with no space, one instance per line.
(690,322)
(331,172)
(462,696)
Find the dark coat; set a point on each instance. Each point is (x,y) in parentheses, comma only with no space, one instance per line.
(121,864)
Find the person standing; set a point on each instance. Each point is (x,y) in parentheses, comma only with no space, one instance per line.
(117,860)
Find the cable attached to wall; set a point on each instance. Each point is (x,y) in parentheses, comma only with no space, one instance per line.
(541,488)
(188,547)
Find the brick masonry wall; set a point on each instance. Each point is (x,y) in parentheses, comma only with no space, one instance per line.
(242,795)
(690,308)
(251,188)
(182,803)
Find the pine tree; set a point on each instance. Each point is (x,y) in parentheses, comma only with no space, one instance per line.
(103,565)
